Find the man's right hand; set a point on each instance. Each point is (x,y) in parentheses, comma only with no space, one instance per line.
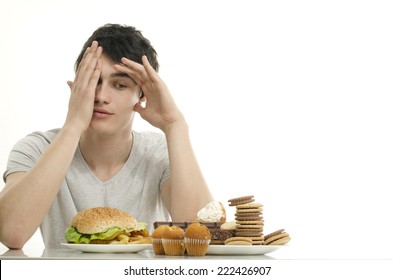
(83,89)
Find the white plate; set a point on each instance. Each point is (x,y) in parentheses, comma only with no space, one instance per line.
(241,249)
(108,248)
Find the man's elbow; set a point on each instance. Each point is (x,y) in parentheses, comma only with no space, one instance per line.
(13,240)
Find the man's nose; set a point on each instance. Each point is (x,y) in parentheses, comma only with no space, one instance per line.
(102,95)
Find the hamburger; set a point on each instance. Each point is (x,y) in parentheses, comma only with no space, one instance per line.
(104,225)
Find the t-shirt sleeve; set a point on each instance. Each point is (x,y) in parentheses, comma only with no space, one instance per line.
(166,174)
(25,153)
(163,163)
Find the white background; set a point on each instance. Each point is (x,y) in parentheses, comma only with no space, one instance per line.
(287,100)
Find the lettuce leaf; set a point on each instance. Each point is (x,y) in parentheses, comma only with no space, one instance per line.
(73,236)
(140,226)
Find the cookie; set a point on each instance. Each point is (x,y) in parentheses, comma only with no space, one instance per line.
(249,210)
(257,240)
(240,227)
(228,226)
(281,241)
(278,237)
(248,218)
(245,243)
(237,240)
(249,206)
(249,233)
(216,242)
(254,222)
(241,200)
(267,236)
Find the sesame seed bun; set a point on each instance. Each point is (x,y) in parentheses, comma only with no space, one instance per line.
(100,219)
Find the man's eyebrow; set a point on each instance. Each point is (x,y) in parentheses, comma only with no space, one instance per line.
(122,75)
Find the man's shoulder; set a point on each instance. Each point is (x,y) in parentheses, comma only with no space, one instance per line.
(149,140)
(149,136)
(45,136)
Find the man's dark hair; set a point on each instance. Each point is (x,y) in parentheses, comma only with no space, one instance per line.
(120,41)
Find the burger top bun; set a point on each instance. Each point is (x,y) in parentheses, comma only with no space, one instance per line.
(100,219)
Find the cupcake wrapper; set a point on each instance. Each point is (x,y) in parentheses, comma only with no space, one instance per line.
(196,247)
(158,248)
(173,247)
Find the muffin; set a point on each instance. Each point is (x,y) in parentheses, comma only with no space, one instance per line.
(156,239)
(197,239)
(173,241)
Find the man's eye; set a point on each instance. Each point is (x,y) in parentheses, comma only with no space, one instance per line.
(120,86)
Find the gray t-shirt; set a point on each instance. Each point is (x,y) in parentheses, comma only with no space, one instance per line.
(135,188)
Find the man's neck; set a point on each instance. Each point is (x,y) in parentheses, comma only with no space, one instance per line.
(106,154)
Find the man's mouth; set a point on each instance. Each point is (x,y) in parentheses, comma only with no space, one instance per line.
(101,113)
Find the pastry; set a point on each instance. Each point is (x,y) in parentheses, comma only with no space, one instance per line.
(156,237)
(173,241)
(220,235)
(197,239)
(212,212)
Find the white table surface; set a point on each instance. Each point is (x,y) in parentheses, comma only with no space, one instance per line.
(146,254)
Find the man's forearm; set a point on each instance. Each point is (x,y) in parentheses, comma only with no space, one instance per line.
(189,191)
(27,197)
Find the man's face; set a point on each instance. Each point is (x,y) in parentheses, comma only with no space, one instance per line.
(116,96)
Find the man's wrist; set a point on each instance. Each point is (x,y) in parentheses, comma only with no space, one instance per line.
(178,125)
(71,131)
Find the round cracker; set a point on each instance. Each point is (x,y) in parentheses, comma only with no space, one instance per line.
(275,237)
(249,218)
(240,227)
(241,200)
(274,233)
(238,238)
(238,243)
(255,222)
(249,210)
(228,225)
(249,233)
(281,241)
(249,205)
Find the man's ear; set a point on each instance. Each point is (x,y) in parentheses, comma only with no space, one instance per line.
(142,99)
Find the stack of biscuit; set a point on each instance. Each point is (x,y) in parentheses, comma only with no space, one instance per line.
(249,218)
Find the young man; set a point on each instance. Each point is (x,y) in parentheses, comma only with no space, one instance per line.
(96,159)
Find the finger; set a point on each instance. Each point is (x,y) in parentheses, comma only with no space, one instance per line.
(88,64)
(89,50)
(95,75)
(149,69)
(134,75)
(70,84)
(139,108)
(135,68)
